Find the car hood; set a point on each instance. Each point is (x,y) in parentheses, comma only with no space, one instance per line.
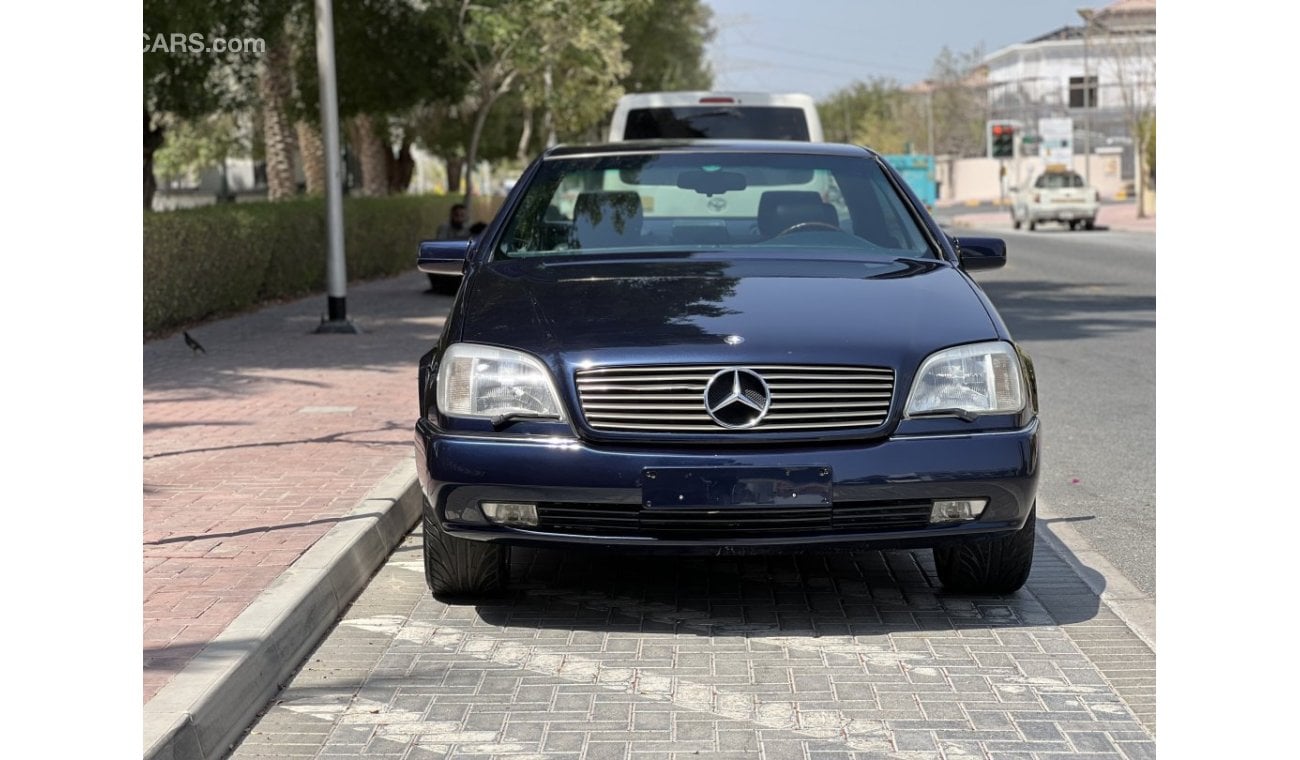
(692,309)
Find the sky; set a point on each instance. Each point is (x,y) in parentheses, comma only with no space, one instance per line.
(819,46)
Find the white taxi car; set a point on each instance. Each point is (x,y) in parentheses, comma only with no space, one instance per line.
(1057,195)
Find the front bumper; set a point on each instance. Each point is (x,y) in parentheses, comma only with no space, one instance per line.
(880,480)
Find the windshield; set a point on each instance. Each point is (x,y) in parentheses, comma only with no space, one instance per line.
(698,201)
(721,121)
(1058,180)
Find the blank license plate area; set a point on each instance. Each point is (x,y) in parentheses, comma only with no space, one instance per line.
(712,488)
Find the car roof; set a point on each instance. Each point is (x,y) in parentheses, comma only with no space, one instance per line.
(693,97)
(712,146)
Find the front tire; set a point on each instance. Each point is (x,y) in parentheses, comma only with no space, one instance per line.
(457,567)
(1032,225)
(1000,566)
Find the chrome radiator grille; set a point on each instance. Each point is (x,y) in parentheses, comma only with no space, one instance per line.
(733,522)
(672,398)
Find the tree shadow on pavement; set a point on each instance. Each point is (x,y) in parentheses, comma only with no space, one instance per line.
(260,529)
(339,437)
(192,423)
(823,593)
(277,344)
(1043,310)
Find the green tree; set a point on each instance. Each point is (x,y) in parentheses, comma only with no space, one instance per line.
(1132,59)
(572,48)
(275,96)
(666,41)
(197,144)
(959,103)
(390,56)
(877,113)
(562,91)
(1147,138)
(445,129)
(179,84)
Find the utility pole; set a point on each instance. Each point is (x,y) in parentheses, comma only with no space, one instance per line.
(336,269)
(1017,140)
(929,136)
(1088,96)
(929,119)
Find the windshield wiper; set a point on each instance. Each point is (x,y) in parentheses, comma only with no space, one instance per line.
(513,417)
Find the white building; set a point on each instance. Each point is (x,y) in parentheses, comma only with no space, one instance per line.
(1099,73)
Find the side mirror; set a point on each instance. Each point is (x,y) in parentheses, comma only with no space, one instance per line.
(981,253)
(443,256)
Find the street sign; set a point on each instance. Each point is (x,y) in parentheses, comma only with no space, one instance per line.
(1057,135)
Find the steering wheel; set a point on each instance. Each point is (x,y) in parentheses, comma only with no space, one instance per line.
(805,226)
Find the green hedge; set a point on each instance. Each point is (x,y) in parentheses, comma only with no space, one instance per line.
(205,262)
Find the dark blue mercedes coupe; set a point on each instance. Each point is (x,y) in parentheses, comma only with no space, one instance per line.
(723,347)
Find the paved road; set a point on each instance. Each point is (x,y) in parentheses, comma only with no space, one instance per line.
(1083,303)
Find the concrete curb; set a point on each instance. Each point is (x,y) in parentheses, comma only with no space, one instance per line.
(201,712)
(1136,609)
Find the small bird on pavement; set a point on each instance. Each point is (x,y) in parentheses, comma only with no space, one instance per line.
(193,344)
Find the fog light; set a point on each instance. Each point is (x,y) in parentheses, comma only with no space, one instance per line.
(510,513)
(957,509)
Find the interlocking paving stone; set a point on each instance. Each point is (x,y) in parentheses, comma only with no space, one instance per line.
(617,656)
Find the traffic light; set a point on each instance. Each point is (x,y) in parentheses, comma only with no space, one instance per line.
(1002,140)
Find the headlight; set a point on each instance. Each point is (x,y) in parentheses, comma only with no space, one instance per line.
(485,381)
(981,378)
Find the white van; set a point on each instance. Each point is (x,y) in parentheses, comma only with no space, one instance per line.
(716,115)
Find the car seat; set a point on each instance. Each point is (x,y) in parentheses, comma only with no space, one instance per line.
(778,210)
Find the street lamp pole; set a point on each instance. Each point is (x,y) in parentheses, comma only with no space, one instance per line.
(336,270)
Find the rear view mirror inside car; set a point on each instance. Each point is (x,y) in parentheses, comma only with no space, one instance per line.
(672,173)
(711,182)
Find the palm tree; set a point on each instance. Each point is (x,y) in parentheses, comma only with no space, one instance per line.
(275,86)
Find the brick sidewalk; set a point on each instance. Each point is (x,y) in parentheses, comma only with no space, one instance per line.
(255,450)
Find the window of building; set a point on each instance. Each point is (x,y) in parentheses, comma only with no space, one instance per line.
(1083,92)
